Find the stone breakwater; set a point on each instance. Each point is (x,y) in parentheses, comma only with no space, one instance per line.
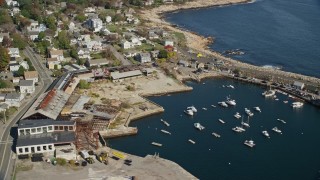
(199,43)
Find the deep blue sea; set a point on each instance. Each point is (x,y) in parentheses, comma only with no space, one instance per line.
(282,33)
(293,155)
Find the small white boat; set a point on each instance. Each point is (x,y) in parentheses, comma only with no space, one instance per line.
(165,122)
(204,108)
(249,143)
(297,104)
(223,86)
(266,134)
(213,106)
(192,108)
(285,102)
(189,112)
(191,141)
(156,144)
(245,124)
(277,99)
(222,121)
(166,132)
(223,104)
(281,120)
(275,129)
(230,86)
(249,113)
(238,129)
(237,115)
(231,102)
(257,109)
(198,126)
(216,135)
(269,93)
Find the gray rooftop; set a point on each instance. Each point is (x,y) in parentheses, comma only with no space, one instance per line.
(121,75)
(13,96)
(26,83)
(46,138)
(29,123)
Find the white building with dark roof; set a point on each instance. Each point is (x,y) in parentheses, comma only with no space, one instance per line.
(26,86)
(13,99)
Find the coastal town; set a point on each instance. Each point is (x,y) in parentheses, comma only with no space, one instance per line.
(77,73)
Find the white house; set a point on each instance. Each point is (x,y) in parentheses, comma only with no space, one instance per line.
(13,99)
(125,44)
(26,86)
(24,64)
(93,45)
(57,54)
(35,26)
(83,53)
(52,63)
(108,19)
(168,43)
(13,52)
(31,75)
(12,3)
(95,24)
(33,35)
(135,41)
(14,67)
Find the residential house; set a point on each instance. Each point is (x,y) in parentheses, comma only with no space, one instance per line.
(2,97)
(31,75)
(13,52)
(24,64)
(14,11)
(95,24)
(120,76)
(135,41)
(83,53)
(97,62)
(35,26)
(14,67)
(168,43)
(33,35)
(2,35)
(155,54)
(125,44)
(108,19)
(93,45)
(90,10)
(57,54)
(53,63)
(153,35)
(13,99)
(15,80)
(148,2)
(12,3)
(26,86)
(298,85)
(144,57)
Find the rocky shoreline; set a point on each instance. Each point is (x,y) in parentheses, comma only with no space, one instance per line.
(154,18)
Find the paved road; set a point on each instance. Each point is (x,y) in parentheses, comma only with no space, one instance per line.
(6,162)
(119,56)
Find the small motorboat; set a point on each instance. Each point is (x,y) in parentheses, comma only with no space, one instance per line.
(238,129)
(216,135)
(189,112)
(198,126)
(213,106)
(248,112)
(237,115)
(204,108)
(220,120)
(192,108)
(266,134)
(223,104)
(281,120)
(249,143)
(275,129)
(297,104)
(257,109)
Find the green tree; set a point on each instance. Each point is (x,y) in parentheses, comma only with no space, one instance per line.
(4,58)
(73,53)
(18,41)
(63,40)
(4,17)
(80,17)
(20,71)
(83,84)
(163,54)
(51,22)
(41,35)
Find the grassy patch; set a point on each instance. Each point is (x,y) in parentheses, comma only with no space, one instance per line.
(113,27)
(145,47)
(24,167)
(181,38)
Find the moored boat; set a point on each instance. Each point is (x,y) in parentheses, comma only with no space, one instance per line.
(297,104)
(248,112)
(237,115)
(192,108)
(257,109)
(266,134)
(238,129)
(220,120)
(275,129)
(216,135)
(269,93)
(223,104)
(249,143)
(198,126)
(188,112)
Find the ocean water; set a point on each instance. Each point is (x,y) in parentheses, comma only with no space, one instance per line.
(282,33)
(293,155)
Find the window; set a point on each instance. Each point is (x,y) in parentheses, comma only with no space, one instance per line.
(38,148)
(20,150)
(38,129)
(44,148)
(27,131)
(44,129)
(50,147)
(70,128)
(56,128)
(33,130)
(61,128)
(32,149)
(66,128)
(21,131)
(50,128)
(26,149)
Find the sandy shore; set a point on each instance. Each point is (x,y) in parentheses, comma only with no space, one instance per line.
(154,18)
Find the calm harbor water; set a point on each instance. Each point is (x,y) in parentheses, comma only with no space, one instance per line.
(270,32)
(292,155)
